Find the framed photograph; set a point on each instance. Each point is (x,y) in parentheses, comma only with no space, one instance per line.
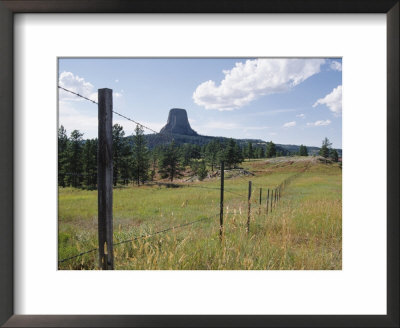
(210,178)
(220,164)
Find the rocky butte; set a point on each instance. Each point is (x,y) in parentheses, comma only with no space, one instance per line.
(178,123)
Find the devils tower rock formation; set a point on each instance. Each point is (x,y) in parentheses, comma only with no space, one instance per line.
(178,123)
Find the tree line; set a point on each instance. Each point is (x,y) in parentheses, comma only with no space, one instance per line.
(134,161)
(327,151)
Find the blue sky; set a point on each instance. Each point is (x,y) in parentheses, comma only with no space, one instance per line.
(288,101)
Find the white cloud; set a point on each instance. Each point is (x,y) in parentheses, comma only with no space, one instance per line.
(116,81)
(77,84)
(336,66)
(319,123)
(301,116)
(272,133)
(289,124)
(332,100)
(255,78)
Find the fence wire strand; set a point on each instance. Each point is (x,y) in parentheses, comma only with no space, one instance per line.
(283,183)
(167,134)
(161,231)
(219,189)
(139,237)
(78,255)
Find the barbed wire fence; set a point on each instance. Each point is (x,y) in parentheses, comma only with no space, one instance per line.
(143,236)
(165,133)
(106,242)
(272,198)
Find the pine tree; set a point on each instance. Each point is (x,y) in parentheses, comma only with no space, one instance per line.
(250,151)
(126,162)
(325,149)
(170,162)
(335,155)
(303,151)
(271,150)
(229,154)
(89,159)
(232,154)
(199,168)
(212,153)
(262,152)
(153,162)
(202,170)
(141,160)
(118,135)
(74,165)
(186,151)
(62,155)
(238,154)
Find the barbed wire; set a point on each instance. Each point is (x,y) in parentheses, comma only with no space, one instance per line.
(77,94)
(225,190)
(117,113)
(78,255)
(136,238)
(156,138)
(285,181)
(161,231)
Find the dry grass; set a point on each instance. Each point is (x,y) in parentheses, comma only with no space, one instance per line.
(302,233)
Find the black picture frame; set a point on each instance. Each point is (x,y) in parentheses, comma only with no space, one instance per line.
(10,7)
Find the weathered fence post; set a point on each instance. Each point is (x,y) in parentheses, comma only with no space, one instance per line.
(249,211)
(105,180)
(267,200)
(221,203)
(272,197)
(259,205)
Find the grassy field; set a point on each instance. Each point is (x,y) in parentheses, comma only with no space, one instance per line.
(304,232)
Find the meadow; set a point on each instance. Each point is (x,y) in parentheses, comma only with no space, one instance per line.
(303,232)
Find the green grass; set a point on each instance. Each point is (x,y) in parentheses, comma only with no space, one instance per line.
(303,232)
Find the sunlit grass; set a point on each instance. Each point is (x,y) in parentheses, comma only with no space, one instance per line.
(303,232)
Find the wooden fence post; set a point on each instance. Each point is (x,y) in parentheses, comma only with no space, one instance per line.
(267,201)
(259,205)
(105,180)
(249,211)
(221,204)
(272,197)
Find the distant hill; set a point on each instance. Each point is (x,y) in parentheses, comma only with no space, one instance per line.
(159,139)
(179,128)
(311,149)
